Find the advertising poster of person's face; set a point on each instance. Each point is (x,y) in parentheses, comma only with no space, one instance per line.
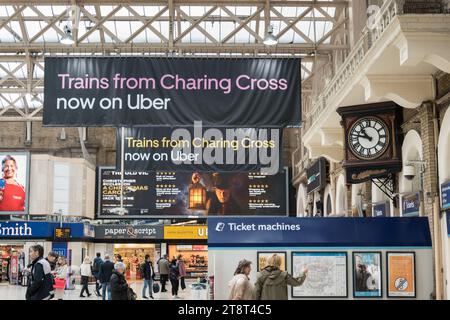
(367,274)
(13,182)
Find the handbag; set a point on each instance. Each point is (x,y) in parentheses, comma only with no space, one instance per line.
(155,287)
(59,283)
(131,294)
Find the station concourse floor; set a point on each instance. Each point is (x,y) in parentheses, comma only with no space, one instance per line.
(17,292)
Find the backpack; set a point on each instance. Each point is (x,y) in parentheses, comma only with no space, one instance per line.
(142,270)
(96,266)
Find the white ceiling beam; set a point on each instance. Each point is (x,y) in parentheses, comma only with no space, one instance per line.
(146,24)
(51,24)
(195,24)
(293,27)
(293,22)
(99,23)
(243,24)
(10,74)
(12,17)
(288,3)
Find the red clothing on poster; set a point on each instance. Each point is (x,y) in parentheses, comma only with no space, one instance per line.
(13,198)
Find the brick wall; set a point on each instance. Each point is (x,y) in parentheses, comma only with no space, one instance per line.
(100,144)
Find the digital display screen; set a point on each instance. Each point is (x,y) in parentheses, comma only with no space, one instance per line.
(62,233)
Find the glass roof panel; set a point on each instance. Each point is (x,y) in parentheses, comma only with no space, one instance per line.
(27,12)
(151,36)
(139,9)
(33,27)
(55,10)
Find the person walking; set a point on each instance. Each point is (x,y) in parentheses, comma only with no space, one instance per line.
(174,276)
(182,269)
(52,258)
(106,269)
(60,274)
(163,267)
(96,271)
(118,283)
(272,283)
(148,274)
(41,279)
(86,273)
(240,286)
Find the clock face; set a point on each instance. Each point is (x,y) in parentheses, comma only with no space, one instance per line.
(368,138)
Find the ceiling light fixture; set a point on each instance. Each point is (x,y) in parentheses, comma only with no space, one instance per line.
(269,39)
(67,37)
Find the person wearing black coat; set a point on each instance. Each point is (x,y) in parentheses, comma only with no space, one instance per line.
(40,285)
(104,275)
(174,276)
(118,283)
(148,274)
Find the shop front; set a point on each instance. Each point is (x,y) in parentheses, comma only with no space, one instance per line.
(195,257)
(12,261)
(130,244)
(133,243)
(16,238)
(189,242)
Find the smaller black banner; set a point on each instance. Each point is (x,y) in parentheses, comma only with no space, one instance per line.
(199,149)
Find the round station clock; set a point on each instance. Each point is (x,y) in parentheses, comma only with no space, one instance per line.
(368,138)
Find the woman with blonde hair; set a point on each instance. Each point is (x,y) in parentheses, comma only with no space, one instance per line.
(86,273)
(60,275)
(272,283)
(240,286)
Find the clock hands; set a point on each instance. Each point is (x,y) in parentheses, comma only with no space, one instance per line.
(365,135)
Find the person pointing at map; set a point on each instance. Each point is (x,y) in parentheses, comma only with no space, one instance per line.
(272,283)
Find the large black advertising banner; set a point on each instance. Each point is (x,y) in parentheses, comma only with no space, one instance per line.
(175,194)
(199,149)
(133,91)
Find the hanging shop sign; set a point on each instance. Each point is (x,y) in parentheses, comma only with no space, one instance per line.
(61,248)
(129,232)
(14,182)
(447,213)
(318,232)
(131,91)
(316,175)
(411,204)
(186,232)
(199,149)
(175,194)
(381,209)
(445,195)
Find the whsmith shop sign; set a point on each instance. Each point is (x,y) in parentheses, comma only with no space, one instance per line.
(129,232)
(35,229)
(133,91)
